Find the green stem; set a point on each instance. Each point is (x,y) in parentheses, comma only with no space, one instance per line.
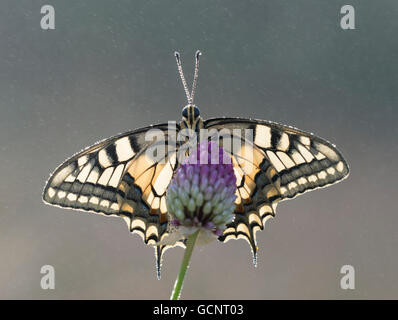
(184,266)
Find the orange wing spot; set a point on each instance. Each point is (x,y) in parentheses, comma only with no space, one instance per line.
(128,208)
(163,218)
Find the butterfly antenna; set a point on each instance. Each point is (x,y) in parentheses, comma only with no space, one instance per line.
(195,77)
(184,82)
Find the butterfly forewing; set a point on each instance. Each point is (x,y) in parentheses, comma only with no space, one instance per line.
(303,161)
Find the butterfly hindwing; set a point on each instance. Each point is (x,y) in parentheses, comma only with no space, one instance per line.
(279,162)
(142,191)
(255,203)
(257,192)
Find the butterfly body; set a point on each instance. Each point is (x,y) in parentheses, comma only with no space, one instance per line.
(116,177)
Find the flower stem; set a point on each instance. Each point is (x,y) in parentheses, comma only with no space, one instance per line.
(184,266)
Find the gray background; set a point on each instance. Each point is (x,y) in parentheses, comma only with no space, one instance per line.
(108,68)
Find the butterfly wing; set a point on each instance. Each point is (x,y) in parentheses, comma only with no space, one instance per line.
(116,177)
(277,163)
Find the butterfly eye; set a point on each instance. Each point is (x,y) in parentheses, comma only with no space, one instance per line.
(185,112)
(196,112)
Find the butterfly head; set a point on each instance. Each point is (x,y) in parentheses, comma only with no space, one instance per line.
(191,116)
(190,113)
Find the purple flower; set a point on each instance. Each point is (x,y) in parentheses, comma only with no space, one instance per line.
(202,193)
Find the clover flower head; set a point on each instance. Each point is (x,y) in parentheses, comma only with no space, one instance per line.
(201,195)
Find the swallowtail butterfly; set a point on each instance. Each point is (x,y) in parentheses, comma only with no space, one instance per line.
(115,177)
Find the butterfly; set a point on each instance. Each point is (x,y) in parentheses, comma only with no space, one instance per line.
(116,177)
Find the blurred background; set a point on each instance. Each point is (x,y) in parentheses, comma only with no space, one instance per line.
(108,67)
